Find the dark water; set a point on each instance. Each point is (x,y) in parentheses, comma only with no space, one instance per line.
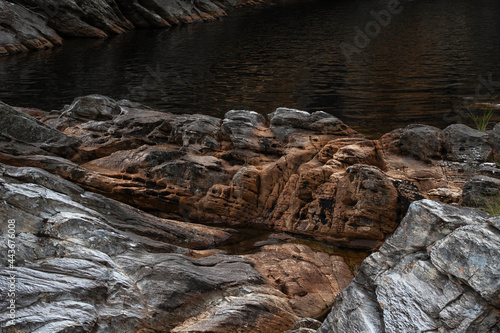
(416,69)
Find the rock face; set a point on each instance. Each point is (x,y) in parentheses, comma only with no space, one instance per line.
(32,24)
(439,272)
(298,172)
(22,30)
(85,263)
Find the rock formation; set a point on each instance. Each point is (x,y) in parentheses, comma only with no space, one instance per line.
(304,173)
(86,263)
(36,24)
(22,29)
(439,272)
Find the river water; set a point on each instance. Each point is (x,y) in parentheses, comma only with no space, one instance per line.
(414,66)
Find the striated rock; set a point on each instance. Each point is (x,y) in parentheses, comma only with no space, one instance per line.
(437,272)
(32,24)
(90,264)
(19,130)
(465,144)
(305,173)
(22,30)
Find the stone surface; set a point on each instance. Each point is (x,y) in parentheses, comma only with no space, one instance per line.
(23,130)
(480,191)
(465,144)
(86,263)
(300,172)
(438,272)
(22,30)
(422,141)
(310,279)
(35,24)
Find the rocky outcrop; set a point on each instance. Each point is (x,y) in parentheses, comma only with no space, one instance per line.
(32,24)
(297,172)
(22,30)
(86,263)
(439,272)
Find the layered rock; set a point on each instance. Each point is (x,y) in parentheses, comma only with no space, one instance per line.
(35,24)
(439,272)
(22,30)
(298,172)
(86,263)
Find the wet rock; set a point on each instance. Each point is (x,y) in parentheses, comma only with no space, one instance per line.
(424,277)
(25,23)
(22,30)
(422,141)
(465,144)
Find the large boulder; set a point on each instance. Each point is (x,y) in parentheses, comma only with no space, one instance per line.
(465,144)
(438,272)
(422,141)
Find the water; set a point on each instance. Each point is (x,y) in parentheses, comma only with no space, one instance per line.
(416,69)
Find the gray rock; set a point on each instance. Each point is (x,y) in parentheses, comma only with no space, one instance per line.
(422,141)
(465,144)
(96,18)
(285,122)
(438,272)
(22,30)
(481,191)
(471,254)
(85,263)
(92,107)
(310,323)
(20,127)
(494,141)
(247,131)
(195,129)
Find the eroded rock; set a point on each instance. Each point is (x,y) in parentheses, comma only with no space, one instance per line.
(86,263)
(305,173)
(437,272)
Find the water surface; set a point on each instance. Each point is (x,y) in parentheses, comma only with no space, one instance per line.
(416,69)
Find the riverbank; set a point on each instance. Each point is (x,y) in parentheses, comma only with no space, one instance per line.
(34,25)
(106,198)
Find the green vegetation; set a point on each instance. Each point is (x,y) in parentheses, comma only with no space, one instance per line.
(482,121)
(489,204)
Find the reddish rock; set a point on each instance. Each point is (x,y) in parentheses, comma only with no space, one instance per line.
(304,173)
(311,280)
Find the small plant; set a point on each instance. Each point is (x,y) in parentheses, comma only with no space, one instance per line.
(489,204)
(482,120)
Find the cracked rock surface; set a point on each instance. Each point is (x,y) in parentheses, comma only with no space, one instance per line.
(439,272)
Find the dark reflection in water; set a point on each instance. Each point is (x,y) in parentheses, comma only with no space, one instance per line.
(420,65)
